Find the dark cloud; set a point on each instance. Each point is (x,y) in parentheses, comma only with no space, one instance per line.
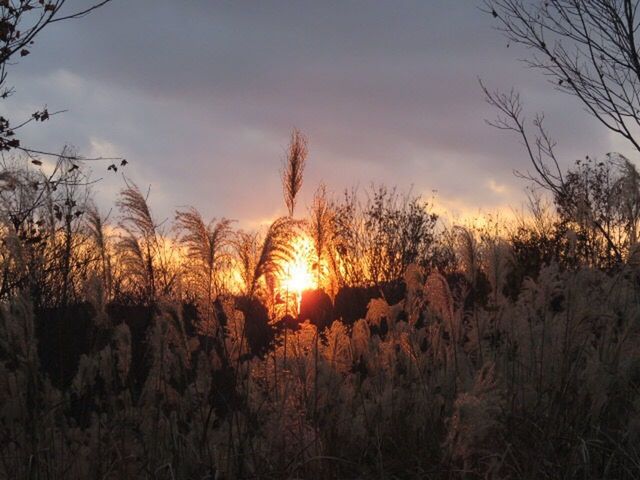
(202,96)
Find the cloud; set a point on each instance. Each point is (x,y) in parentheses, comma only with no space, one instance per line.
(497,188)
(201,97)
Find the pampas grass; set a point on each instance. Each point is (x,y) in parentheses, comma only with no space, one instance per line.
(485,365)
(293,170)
(556,395)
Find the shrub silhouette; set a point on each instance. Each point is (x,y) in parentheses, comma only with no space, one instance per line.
(317,307)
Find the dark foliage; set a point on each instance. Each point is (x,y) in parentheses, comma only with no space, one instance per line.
(258,331)
(317,307)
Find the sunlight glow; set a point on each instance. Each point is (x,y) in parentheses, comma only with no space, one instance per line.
(298,273)
(299,278)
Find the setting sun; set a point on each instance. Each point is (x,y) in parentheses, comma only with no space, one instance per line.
(299,278)
(297,273)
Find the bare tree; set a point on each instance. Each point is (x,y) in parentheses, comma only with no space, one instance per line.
(349,242)
(293,170)
(540,148)
(59,188)
(587,48)
(68,206)
(40,217)
(399,231)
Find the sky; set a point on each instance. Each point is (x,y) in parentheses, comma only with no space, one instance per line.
(201,96)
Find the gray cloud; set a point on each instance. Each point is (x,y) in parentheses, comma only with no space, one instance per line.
(201,96)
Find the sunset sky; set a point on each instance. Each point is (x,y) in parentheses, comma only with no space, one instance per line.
(201,96)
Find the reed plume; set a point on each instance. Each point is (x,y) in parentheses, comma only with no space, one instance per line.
(292,173)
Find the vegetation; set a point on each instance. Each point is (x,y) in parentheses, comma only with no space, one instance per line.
(500,351)
(368,338)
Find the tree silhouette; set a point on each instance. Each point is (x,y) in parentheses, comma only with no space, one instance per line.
(586,48)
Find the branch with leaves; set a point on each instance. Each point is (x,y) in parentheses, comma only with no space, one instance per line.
(20,23)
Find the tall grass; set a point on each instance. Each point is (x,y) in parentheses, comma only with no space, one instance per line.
(553,395)
(507,353)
